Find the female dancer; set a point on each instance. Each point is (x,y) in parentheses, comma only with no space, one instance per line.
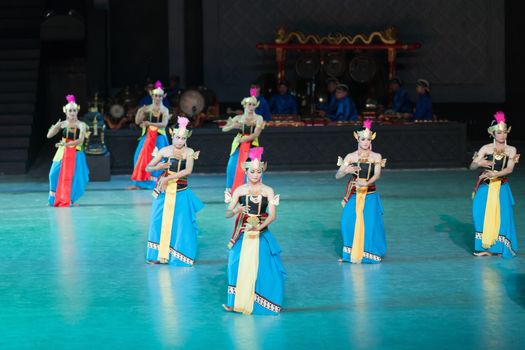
(152,119)
(172,237)
(69,172)
(493,201)
(362,221)
(250,126)
(255,272)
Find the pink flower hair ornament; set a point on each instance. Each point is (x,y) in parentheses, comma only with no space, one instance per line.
(255,162)
(251,99)
(158,90)
(71,103)
(181,131)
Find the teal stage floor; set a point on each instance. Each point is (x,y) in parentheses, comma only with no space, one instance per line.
(75,278)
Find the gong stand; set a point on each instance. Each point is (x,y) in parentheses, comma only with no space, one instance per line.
(297,41)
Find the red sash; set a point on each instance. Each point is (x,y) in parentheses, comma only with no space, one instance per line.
(239,227)
(140,173)
(238,180)
(65,178)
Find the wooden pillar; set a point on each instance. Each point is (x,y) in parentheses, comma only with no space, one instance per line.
(280,56)
(392,53)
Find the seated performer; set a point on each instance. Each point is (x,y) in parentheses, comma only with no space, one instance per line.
(362,221)
(172,237)
(69,172)
(255,272)
(263,109)
(250,125)
(492,207)
(344,109)
(283,102)
(401,102)
(423,109)
(330,105)
(152,119)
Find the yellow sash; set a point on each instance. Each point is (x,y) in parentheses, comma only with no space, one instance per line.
(491,221)
(161,131)
(358,245)
(247,273)
(167,221)
(60,151)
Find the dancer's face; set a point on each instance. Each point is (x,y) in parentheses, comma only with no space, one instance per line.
(157,98)
(420,90)
(500,136)
(364,143)
(331,86)
(254,175)
(71,113)
(179,141)
(250,107)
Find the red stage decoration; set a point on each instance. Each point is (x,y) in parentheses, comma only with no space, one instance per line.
(297,41)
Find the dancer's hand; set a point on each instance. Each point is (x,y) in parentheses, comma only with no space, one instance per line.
(162,166)
(163,183)
(241,209)
(484,163)
(352,169)
(361,183)
(488,174)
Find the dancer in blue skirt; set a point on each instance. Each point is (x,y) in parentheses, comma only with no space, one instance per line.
(153,120)
(69,173)
(362,221)
(492,208)
(250,126)
(255,272)
(172,237)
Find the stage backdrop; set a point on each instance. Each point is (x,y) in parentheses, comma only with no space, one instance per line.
(462,54)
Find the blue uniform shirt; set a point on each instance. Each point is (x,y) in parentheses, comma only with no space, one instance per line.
(345,110)
(330,105)
(401,102)
(423,107)
(263,109)
(283,104)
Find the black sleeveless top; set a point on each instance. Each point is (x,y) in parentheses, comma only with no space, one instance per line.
(177,165)
(71,133)
(257,205)
(247,129)
(500,161)
(150,117)
(367,169)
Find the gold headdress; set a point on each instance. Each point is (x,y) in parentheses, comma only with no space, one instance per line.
(366,132)
(255,161)
(498,124)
